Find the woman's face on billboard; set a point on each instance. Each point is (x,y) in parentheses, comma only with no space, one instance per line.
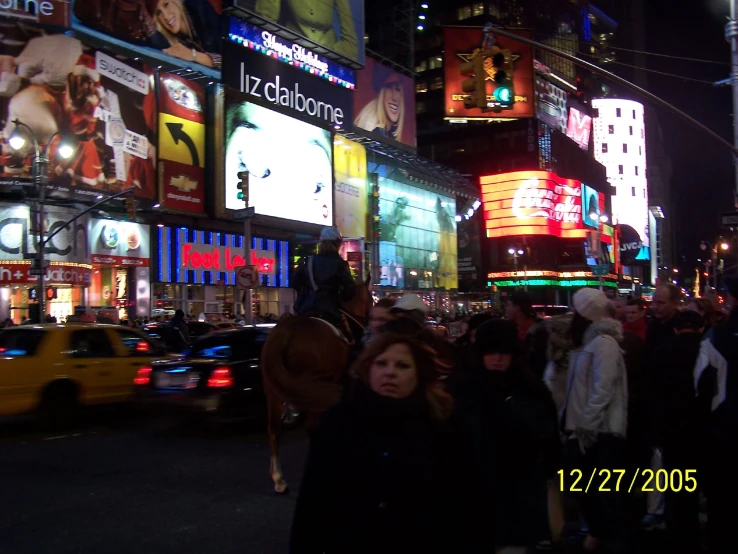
(169,15)
(393,101)
(289,164)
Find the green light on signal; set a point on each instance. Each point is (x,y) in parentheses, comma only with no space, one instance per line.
(503,95)
(240,196)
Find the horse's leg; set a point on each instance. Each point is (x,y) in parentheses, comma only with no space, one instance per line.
(275,407)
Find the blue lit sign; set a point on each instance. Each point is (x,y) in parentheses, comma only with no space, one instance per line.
(285,51)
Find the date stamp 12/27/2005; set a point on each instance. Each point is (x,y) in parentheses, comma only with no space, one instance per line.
(616,480)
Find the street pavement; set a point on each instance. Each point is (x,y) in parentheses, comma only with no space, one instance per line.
(144,484)
(132,482)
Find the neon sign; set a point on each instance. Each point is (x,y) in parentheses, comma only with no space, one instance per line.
(532,203)
(217,258)
(552,283)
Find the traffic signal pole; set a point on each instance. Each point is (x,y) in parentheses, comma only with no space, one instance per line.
(243,186)
(731,34)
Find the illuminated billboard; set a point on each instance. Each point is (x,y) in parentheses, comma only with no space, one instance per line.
(532,203)
(350,187)
(620,145)
(551,104)
(459,46)
(417,247)
(579,127)
(593,204)
(335,25)
(259,140)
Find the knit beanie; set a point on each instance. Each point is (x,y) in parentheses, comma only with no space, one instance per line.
(591,304)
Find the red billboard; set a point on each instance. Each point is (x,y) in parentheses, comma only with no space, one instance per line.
(181,144)
(532,203)
(384,103)
(460,43)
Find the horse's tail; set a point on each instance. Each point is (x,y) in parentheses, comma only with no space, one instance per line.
(305,386)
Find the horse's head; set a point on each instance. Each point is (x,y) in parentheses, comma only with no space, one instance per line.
(360,305)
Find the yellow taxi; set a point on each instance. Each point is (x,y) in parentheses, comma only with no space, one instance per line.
(55,369)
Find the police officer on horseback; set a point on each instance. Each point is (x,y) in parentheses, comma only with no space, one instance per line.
(324,280)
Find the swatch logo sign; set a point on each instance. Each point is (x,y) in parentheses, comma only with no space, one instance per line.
(121,73)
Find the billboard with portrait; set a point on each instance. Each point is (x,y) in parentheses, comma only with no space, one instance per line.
(349,159)
(335,25)
(532,203)
(290,163)
(384,103)
(186,29)
(460,44)
(54,83)
(593,204)
(417,245)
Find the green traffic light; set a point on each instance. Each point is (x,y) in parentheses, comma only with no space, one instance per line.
(240,196)
(503,95)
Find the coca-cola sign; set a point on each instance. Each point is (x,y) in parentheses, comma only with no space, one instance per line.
(532,203)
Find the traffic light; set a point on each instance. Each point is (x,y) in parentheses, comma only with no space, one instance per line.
(475,84)
(243,187)
(131,208)
(501,61)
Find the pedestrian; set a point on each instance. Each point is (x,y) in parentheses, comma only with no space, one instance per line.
(410,305)
(635,318)
(385,472)
(715,378)
(517,438)
(181,331)
(519,309)
(595,414)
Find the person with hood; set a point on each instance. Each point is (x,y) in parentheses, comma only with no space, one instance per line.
(519,310)
(517,437)
(324,281)
(594,414)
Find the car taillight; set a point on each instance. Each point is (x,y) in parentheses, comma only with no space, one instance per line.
(221,377)
(142,346)
(143,377)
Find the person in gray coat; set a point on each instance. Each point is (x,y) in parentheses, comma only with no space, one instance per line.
(595,417)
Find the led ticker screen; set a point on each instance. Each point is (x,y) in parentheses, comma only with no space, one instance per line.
(532,203)
(553,283)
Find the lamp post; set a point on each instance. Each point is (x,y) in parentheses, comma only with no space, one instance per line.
(601,219)
(516,253)
(40,177)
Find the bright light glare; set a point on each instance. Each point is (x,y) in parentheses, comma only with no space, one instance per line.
(420,27)
(16,141)
(424,6)
(470,212)
(593,215)
(476,205)
(458,218)
(511,251)
(604,218)
(66,151)
(725,246)
(520,252)
(421,16)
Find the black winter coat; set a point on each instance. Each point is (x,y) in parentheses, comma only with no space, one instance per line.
(334,281)
(382,477)
(517,439)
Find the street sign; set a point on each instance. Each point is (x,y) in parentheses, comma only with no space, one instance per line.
(244,214)
(247,277)
(602,269)
(36,271)
(729,219)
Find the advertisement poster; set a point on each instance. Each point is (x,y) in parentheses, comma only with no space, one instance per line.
(102,106)
(119,243)
(460,45)
(417,247)
(181,144)
(350,195)
(470,254)
(186,29)
(267,80)
(551,104)
(384,103)
(55,13)
(353,252)
(532,203)
(593,204)
(579,127)
(260,141)
(337,25)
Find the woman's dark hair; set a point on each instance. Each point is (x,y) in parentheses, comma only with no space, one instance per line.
(385,303)
(404,326)
(579,326)
(328,246)
(427,364)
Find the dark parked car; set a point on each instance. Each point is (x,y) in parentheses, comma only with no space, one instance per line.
(164,332)
(220,374)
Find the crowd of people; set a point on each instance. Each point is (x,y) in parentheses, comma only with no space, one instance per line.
(473,446)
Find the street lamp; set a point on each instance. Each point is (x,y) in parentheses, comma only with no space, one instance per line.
(40,177)
(515,253)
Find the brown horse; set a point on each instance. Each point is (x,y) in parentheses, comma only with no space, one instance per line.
(304,363)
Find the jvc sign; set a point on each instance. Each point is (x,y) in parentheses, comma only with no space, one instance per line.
(269,81)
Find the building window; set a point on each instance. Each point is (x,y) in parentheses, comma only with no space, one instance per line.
(640,150)
(611,129)
(422,66)
(620,169)
(420,107)
(437,83)
(617,112)
(630,129)
(436,62)
(636,170)
(478,9)
(604,148)
(464,13)
(634,114)
(421,86)
(633,191)
(625,148)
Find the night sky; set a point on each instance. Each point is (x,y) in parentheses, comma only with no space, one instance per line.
(703,177)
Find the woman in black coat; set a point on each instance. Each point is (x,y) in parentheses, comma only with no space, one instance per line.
(385,472)
(517,436)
